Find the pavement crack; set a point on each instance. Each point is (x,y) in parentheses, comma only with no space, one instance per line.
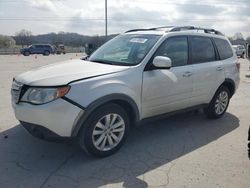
(65,176)
(173,164)
(19,165)
(57,169)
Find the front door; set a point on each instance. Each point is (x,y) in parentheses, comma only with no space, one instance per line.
(166,90)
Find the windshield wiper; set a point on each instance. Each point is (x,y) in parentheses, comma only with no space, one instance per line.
(109,62)
(102,61)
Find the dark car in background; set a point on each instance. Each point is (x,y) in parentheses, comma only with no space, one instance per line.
(45,49)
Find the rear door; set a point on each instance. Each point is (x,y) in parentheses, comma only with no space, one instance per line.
(208,70)
(37,49)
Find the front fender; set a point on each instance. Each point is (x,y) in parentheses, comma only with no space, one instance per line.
(105,99)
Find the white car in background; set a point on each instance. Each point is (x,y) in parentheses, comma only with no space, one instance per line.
(139,74)
(239,50)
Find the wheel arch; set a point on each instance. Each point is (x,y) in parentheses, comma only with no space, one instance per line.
(229,83)
(123,100)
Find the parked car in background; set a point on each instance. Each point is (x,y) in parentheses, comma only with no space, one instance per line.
(137,75)
(45,49)
(239,50)
(60,49)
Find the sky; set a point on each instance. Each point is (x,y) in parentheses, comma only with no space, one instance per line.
(87,16)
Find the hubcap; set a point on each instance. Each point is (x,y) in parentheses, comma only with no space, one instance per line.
(108,132)
(221,102)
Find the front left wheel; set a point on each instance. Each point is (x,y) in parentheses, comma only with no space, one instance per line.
(105,130)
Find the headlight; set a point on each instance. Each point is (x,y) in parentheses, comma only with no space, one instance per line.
(37,95)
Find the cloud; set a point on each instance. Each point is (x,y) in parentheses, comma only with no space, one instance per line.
(87,17)
(199,9)
(119,20)
(44,5)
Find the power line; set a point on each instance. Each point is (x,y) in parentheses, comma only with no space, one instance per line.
(211,2)
(45,19)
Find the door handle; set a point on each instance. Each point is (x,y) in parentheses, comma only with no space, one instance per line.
(219,68)
(187,74)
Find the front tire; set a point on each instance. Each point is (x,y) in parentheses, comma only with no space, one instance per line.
(105,131)
(26,53)
(218,105)
(46,53)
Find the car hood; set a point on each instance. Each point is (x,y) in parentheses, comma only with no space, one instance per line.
(65,72)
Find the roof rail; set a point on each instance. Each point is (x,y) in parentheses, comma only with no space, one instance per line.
(132,30)
(183,28)
(163,27)
(150,29)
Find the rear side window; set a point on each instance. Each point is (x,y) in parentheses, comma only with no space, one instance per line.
(224,48)
(202,50)
(176,48)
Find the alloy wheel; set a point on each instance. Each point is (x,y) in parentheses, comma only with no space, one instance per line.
(221,102)
(108,132)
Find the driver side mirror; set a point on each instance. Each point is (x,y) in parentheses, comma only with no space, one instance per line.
(162,62)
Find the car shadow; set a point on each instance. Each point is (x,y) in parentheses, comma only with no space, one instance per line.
(30,162)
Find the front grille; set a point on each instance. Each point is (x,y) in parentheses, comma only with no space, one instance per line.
(16,91)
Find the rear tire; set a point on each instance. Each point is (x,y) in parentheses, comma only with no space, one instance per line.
(105,131)
(218,105)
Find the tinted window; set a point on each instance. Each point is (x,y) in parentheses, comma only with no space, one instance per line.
(38,46)
(176,48)
(224,48)
(202,50)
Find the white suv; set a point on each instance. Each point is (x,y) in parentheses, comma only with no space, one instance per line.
(137,75)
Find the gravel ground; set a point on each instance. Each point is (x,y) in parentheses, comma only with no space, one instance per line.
(185,150)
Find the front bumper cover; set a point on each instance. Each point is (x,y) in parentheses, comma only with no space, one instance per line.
(43,133)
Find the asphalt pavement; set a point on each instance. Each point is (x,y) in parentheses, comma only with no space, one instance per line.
(186,150)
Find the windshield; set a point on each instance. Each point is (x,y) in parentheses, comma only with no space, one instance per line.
(124,49)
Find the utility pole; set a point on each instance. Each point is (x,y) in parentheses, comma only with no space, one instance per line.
(106,20)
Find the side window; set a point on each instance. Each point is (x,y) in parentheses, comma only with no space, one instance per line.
(202,50)
(176,48)
(224,48)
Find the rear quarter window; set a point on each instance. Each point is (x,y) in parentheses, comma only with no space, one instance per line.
(202,50)
(224,48)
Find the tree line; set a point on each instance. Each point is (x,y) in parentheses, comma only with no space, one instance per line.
(25,38)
